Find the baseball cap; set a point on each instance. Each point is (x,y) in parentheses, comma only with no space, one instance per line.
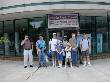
(54,33)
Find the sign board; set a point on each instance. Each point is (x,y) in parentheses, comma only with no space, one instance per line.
(63,20)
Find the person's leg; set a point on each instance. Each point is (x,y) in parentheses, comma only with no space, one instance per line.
(63,62)
(85,58)
(75,58)
(53,58)
(30,58)
(66,60)
(59,60)
(70,62)
(72,56)
(44,58)
(60,63)
(39,58)
(25,58)
(88,58)
(80,56)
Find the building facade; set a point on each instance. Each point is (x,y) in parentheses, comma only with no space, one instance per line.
(20,17)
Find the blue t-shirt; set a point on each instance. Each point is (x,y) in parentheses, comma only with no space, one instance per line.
(79,39)
(40,44)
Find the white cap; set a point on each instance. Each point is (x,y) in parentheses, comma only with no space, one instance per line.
(54,33)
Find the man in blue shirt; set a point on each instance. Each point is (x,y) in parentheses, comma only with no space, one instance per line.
(41,46)
(79,39)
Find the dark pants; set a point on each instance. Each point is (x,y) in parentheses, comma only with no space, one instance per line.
(74,57)
(79,54)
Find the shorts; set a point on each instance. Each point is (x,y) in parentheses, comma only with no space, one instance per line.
(85,53)
(68,54)
(53,54)
(59,57)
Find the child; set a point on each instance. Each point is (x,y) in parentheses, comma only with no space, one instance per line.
(60,50)
(68,55)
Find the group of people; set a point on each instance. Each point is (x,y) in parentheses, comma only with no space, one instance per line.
(72,51)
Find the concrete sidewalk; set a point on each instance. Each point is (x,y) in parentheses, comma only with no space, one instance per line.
(13,71)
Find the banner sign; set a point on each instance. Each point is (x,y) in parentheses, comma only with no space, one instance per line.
(62,20)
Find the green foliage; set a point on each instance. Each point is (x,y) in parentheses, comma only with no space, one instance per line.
(3,40)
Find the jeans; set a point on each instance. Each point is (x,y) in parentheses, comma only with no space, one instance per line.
(42,57)
(28,55)
(74,57)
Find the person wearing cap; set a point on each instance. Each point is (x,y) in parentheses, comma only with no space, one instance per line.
(68,55)
(52,48)
(85,46)
(27,45)
(41,46)
(74,54)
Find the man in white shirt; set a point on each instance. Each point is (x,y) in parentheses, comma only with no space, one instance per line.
(85,45)
(52,48)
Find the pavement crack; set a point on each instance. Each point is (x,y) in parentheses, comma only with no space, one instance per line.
(32,74)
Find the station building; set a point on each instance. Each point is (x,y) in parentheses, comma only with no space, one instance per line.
(34,17)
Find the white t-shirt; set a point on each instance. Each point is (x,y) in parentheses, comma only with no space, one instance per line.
(84,44)
(68,52)
(53,44)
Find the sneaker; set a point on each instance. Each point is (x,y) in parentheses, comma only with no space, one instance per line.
(59,66)
(71,66)
(31,65)
(25,66)
(65,66)
(81,62)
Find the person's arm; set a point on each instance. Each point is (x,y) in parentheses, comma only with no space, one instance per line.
(81,45)
(89,43)
(22,43)
(50,45)
(44,45)
(66,49)
(62,51)
(32,46)
(69,49)
(37,48)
